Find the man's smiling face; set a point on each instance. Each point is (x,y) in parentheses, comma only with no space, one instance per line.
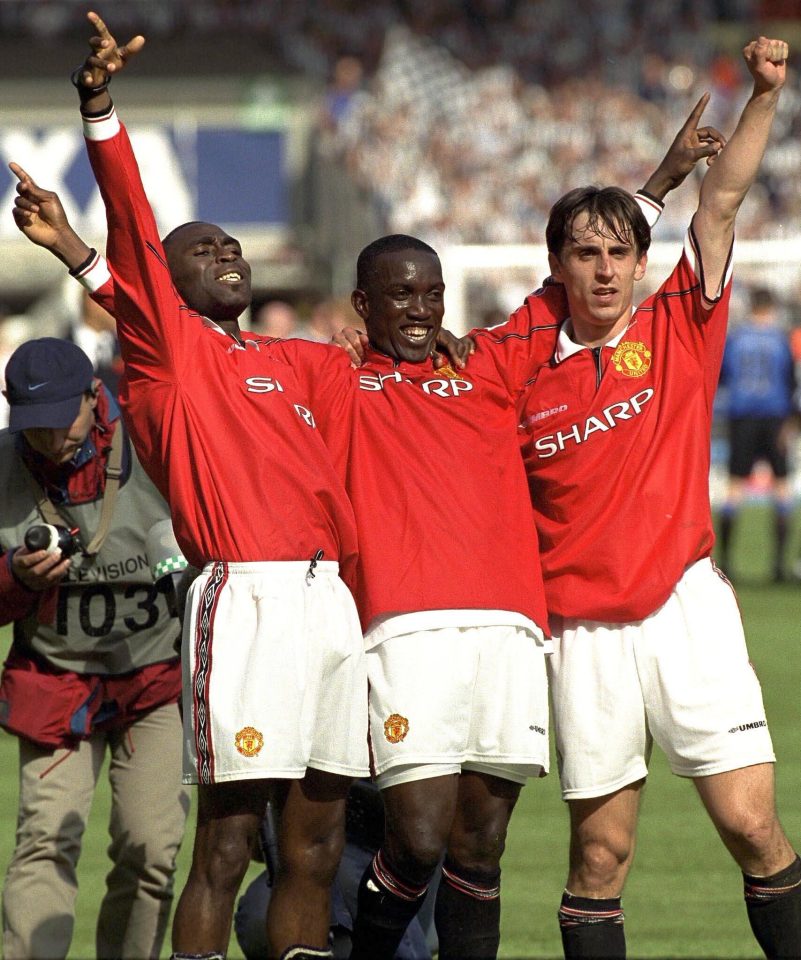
(208,270)
(403,304)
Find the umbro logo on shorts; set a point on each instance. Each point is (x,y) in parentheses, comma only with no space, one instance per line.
(754,725)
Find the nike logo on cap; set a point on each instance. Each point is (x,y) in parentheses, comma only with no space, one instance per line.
(35,386)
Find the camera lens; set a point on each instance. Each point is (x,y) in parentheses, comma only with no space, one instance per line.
(47,536)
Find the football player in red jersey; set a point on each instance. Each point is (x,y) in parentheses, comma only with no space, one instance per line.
(649,643)
(274,678)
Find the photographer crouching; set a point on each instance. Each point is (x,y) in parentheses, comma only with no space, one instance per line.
(93,666)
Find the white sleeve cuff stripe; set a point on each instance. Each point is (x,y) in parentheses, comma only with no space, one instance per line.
(95,275)
(652,211)
(101,128)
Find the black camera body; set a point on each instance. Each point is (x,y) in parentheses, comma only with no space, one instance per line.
(47,536)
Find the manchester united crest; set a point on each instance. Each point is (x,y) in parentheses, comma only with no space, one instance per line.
(395,728)
(448,371)
(632,359)
(249,741)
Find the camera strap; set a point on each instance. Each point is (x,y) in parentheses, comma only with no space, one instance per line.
(113,472)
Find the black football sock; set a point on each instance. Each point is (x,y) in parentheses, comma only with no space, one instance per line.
(774,911)
(468,913)
(592,928)
(387,903)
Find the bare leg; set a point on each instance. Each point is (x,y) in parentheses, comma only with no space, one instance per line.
(602,835)
(311,838)
(742,806)
(228,818)
(419,817)
(468,908)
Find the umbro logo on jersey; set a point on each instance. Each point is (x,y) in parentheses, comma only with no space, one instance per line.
(609,418)
(536,417)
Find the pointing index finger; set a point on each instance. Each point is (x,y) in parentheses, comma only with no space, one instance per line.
(99,25)
(697,111)
(19,173)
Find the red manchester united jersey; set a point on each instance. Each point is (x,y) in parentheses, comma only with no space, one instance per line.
(223,429)
(433,470)
(616,444)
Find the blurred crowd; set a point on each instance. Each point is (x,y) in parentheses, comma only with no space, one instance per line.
(466,119)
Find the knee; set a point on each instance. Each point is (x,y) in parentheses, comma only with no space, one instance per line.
(751,834)
(416,849)
(480,846)
(601,861)
(314,854)
(222,856)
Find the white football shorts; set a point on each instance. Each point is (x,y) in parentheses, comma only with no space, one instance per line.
(274,676)
(454,697)
(680,677)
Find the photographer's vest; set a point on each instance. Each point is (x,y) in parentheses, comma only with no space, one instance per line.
(110,617)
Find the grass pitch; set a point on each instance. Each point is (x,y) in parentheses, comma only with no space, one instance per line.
(684,895)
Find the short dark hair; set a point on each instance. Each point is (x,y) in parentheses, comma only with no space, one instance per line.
(393,243)
(177,230)
(611,212)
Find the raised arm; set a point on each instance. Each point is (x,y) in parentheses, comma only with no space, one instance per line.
(691,144)
(40,216)
(107,58)
(728,180)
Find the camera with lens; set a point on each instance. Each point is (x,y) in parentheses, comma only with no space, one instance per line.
(49,537)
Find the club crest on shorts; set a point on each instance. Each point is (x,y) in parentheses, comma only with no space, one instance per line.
(249,741)
(395,728)
(632,358)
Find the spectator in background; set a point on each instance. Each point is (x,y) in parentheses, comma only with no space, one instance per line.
(275,318)
(95,332)
(759,374)
(327,318)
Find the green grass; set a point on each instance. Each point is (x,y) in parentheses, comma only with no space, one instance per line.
(684,895)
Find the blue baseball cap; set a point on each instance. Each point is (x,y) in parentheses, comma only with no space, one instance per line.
(45,381)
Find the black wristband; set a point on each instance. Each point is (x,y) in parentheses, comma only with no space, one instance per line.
(77,271)
(84,92)
(649,196)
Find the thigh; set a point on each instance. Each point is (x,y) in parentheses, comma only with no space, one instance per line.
(335,701)
(248,656)
(702,695)
(743,444)
(56,792)
(483,810)
(149,803)
(421,688)
(602,740)
(509,709)
(228,819)
(774,451)
(312,820)
(419,816)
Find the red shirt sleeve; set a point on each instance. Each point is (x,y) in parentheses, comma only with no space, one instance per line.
(527,339)
(151,320)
